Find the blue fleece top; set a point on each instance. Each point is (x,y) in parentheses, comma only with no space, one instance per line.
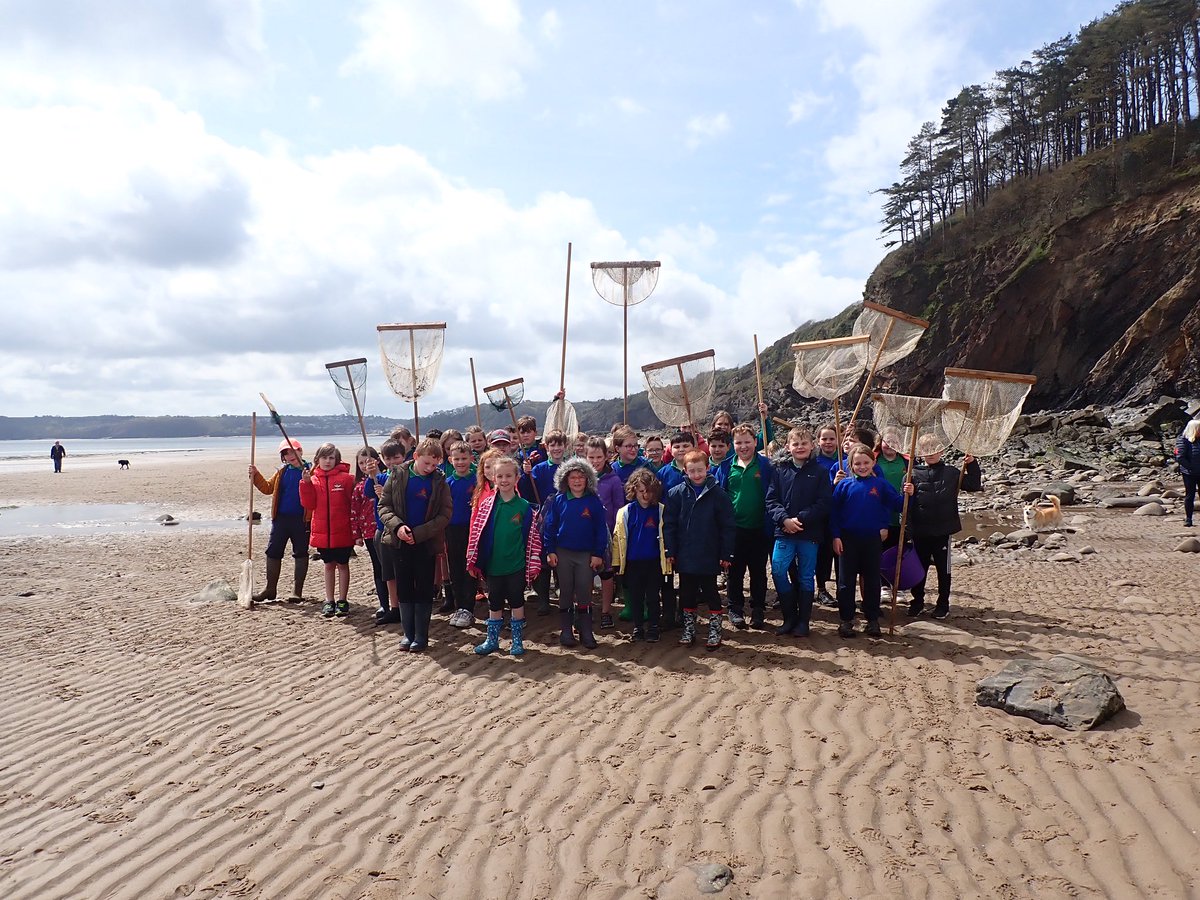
(461,488)
(543,477)
(720,471)
(862,506)
(829,463)
(416,497)
(575,523)
(289,492)
(670,475)
(641,526)
(369,491)
(624,471)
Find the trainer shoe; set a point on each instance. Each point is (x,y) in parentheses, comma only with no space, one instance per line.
(462,618)
(736,619)
(941,612)
(328,609)
(639,633)
(873,629)
(846,630)
(606,621)
(387,616)
(827,599)
(915,608)
(652,634)
(343,609)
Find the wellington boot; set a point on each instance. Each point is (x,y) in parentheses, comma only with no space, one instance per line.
(583,617)
(791,616)
(271,588)
(567,621)
(422,613)
(301,573)
(689,629)
(491,643)
(518,637)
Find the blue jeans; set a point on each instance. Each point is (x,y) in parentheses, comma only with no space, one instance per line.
(804,552)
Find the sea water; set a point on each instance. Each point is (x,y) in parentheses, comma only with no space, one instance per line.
(76,519)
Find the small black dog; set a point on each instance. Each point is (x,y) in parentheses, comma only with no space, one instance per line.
(123,463)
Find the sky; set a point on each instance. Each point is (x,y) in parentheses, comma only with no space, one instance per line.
(205,199)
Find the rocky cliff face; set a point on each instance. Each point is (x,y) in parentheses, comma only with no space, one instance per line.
(1088,279)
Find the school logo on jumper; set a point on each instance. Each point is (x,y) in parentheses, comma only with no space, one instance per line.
(516,519)
(423,493)
(651,522)
(586,514)
(874,492)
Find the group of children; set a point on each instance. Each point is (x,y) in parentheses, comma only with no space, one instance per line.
(489,517)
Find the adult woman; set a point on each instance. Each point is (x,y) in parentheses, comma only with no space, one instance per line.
(1187,454)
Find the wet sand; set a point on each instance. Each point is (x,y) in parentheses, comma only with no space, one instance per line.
(154,747)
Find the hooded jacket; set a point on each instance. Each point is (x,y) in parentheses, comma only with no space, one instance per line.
(800,492)
(934,501)
(328,497)
(393,509)
(698,529)
(575,523)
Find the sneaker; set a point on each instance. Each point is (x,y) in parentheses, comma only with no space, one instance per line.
(736,619)
(343,609)
(873,629)
(846,630)
(827,599)
(639,633)
(387,617)
(405,643)
(606,621)
(757,619)
(328,609)
(462,618)
(916,608)
(652,634)
(941,612)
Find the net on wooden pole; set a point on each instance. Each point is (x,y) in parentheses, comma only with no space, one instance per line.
(893,334)
(350,383)
(995,400)
(506,394)
(681,390)
(825,370)
(412,357)
(625,284)
(561,416)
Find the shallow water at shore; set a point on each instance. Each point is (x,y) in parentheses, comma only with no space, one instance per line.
(87,519)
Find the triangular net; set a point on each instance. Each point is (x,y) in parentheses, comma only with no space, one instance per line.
(995,400)
(506,395)
(681,390)
(889,330)
(561,416)
(625,283)
(412,357)
(350,382)
(918,422)
(827,369)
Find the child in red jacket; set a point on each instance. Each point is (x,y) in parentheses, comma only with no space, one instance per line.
(327,490)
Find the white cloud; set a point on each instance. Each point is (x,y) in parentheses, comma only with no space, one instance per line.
(628,106)
(803,104)
(777,199)
(550,26)
(471,46)
(704,128)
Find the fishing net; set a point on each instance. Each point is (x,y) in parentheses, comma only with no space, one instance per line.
(506,394)
(827,369)
(412,357)
(893,334)
(350,382)
(681,390)
(561,416)
(995,400)
(625,283)
(919,423)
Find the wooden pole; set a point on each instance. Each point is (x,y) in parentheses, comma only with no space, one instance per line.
(871,375)
(762,416)
(475,391)
(416,423)
(687,403)
(837,430)
(625,343)
(412,351)
(562,369)
(357,408)
(250,514)
(912,455)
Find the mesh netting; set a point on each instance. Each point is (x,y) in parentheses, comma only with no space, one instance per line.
(625,283)
(506,395)
(995,400)
(681,390)
(412,357)
(917,421)
(350,381)
(560,416)
(893,335)
(827,369)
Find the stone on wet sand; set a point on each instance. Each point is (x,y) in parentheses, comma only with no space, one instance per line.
(1150,509)
(1064,690)
(1188,545)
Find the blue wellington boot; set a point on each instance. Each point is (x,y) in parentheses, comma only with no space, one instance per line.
(491,643)
(518,637)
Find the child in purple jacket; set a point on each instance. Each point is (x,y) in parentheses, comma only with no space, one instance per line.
(612,495)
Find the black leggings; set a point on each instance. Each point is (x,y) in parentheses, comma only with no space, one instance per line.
(456,560)
(860,557)
(506,588)
(643,586)
(934,551)
(1189,496)
(694,588)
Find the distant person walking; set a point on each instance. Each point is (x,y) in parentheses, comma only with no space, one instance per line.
(57,452)
(1187,454)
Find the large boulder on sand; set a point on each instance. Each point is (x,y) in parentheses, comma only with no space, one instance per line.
(1063,690)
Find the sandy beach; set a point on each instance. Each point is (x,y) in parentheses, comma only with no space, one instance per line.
(154,747)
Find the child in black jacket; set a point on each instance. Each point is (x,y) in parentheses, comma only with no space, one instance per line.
(934,515)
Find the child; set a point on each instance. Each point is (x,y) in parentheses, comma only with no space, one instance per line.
(575,538)
(476,440)
(543,478)
(612,495)
(862,505)
(405,437)
(530,452)
(363,523)
(629,458)
(449,437)
(797,505)
(935,517)
(581,440)
(461,481)
(639,554)
(483,486)
(827,456)
(391,455)
(719,457)
(746,481)
(892,466)
(415,508)
(504,546)
(326,492)
(501,441)
(682,443)
(654,453)
(698,532)
(289,520)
